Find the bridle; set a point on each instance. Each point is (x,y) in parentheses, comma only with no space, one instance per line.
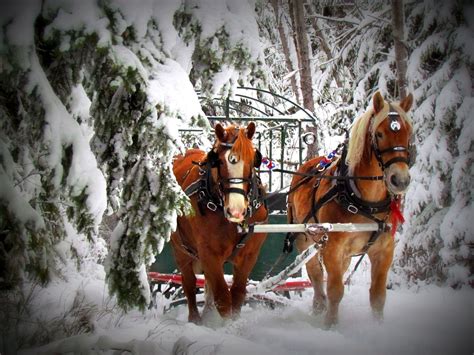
(223,188)
(395,126)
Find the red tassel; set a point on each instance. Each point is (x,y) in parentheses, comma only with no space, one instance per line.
(396,216)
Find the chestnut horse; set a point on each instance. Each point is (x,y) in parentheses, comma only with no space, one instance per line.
(363,186)
(225,194)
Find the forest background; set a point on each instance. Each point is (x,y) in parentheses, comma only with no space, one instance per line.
(92,94)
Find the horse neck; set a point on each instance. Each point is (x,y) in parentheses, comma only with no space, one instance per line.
(370,190)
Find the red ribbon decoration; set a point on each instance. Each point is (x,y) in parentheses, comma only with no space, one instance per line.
(396,216)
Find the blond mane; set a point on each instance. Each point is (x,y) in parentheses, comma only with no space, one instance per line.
(361,128)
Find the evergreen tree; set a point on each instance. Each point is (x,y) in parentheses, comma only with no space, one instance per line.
(106,85)
(436,243)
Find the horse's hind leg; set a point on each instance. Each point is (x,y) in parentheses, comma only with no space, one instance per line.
(381,256)
(239,288)
(209,304)
(189,288)
(315,273)
(335,266)
(244,262)
(185,264)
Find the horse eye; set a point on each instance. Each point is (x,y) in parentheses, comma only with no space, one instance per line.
(379,134)
(233,159)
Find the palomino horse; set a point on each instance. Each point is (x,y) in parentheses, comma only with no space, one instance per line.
(363,186)
(225,192)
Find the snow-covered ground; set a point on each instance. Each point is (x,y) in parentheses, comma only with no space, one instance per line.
(430,320)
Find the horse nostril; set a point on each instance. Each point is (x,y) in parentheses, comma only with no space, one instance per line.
(244,213)
(394,180)
(399,182)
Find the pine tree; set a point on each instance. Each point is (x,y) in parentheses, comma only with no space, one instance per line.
(101,86)
(436,243)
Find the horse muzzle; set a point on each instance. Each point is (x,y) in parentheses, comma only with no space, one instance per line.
(235,215)
(397,179)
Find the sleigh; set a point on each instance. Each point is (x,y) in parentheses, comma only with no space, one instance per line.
(170,287)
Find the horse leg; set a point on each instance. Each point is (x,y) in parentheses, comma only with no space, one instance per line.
(334,263)
(238,289)
(243,265)
(209,305)
(185,265)
(213,271)
(315,273)
(189,288)
(381,260)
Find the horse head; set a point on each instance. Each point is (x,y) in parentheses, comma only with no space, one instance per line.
(384,132)
(390,141)
(236,158)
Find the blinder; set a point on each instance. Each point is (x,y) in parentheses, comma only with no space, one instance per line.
(213,159)
(215,162)
(258,159)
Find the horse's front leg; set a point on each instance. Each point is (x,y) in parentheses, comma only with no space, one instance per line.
(334,263)
(213,272)
(381,257)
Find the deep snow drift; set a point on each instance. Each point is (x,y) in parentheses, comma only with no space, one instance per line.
(430,320)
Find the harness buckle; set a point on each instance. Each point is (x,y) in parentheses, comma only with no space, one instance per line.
(256,204)
(352,209)
(212,206)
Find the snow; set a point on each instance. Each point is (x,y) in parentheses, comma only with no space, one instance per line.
(430,320)
(426,320)
(75,15)
(16,204)
(236,16)
(62,130)
(22,14)
(170,86)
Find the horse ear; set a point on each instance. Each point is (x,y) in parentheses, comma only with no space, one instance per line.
(250,130)
(406,103)
(220,132)
(378,102)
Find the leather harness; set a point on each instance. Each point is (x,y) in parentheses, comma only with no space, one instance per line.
(208,200)
(344,194)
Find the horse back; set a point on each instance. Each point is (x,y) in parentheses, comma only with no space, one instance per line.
(183,164)
(299,201)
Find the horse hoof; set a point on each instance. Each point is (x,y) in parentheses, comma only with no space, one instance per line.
(378,316)
(330,323)
(319,308)
(195,319)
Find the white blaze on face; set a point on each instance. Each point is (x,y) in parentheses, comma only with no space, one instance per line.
(235,202)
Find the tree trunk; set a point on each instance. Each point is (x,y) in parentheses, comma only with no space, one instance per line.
(286,50)
(304,64)
(306,82)
(400,49)
(324,44)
